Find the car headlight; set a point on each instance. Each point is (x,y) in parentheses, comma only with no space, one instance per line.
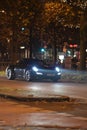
(57,69)
(34,68)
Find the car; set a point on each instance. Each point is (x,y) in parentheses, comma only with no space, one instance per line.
(30,69)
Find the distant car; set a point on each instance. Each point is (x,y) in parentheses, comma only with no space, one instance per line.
(29,69)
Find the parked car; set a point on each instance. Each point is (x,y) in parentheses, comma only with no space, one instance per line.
(29,69)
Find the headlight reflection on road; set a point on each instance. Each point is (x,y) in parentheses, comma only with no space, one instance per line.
(37,92)
(35,88)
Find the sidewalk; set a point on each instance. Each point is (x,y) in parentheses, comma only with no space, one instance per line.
(74,76)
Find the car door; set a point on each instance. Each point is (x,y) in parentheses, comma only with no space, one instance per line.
(19,69)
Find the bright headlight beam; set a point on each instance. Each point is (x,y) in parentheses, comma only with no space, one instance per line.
(35,68)
(57,69)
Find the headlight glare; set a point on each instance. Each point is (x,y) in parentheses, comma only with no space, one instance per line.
(35,68)
(57,69)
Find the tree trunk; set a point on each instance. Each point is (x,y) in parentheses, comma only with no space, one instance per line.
(55,49)
(30,42)
(83,40)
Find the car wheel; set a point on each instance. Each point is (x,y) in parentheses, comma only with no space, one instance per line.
(10,74)
(27,76)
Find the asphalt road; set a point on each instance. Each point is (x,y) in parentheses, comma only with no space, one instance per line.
(45,88)
(43,115)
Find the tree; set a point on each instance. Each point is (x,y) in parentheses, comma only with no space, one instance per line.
(43,17)
(83,40)
(12,24)
(69,13)
(21,14)
(81,5)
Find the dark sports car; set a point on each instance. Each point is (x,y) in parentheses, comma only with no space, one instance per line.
(30,69)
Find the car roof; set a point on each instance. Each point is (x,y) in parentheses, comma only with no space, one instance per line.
(30,60)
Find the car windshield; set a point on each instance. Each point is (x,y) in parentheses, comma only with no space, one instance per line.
(41,63)
(37,62)
(22,62)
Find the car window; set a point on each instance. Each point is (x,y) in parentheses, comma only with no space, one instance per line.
(35,62)
(22,62)
(30,62)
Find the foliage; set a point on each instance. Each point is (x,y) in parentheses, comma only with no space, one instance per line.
(17,19)
(68,13)
(23,20)
(61,13)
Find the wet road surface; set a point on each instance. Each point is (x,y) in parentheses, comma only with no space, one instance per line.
(43,89)
(61,115)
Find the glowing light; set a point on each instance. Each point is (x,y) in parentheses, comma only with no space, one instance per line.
(22,28)
(69,52)
(2,11)
(75,45)
(42,50)
(57,69)
(61,57)
(35,68)
(22,47)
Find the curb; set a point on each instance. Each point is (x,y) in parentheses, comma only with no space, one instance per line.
(34,99)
